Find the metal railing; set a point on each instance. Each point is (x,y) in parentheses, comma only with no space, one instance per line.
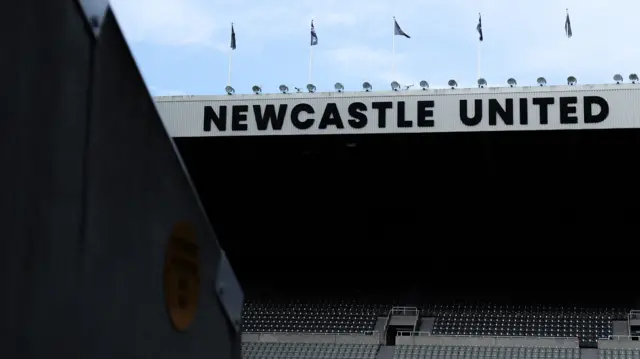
(403,311)
(386,323)
(408,311)
(633,315)
(407,333)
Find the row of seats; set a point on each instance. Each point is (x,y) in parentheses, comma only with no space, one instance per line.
(501,310)
(475,352)
(618,353)
(308,324)
(434,310)
(257,350)
(336,306)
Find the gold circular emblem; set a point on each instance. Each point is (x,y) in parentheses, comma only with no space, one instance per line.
(182,276)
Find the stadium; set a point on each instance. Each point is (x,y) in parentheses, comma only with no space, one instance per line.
(446,224)
(451,223)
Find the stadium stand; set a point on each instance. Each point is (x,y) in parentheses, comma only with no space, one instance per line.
(540,321)
(587,324)
(328,317)
(542,317)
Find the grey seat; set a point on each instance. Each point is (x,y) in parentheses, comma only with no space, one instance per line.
(325,317)
(542,321)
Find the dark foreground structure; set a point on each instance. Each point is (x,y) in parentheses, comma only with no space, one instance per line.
(105,249)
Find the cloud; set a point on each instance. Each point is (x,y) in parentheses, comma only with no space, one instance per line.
(166,22)
(201,22)
(369,63)
(523,39)
(155,91)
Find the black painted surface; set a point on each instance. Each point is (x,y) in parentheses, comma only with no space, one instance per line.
(45,67)
(90,189)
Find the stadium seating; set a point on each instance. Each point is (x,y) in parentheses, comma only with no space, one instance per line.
(541,321)
(475,352)
(618,353)
(461,319)
(257,350)
(328,317)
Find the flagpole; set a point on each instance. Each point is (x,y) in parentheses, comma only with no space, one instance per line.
(230,58)
(393,50)
(310,63)
(479,52)
(311,54)
(478,60)
(568,47)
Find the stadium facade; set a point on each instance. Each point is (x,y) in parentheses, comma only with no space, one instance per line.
(442,224)
(428,111)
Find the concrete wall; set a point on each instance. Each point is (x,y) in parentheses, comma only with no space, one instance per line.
(621,343)
(620,327)
(311,338)
(488,341)
(588,353)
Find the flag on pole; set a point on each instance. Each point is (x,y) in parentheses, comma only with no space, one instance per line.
(567,26)
(479,27)
(314,37)
(233,38)
(398,31)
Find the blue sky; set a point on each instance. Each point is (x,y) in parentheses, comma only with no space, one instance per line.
(182,46)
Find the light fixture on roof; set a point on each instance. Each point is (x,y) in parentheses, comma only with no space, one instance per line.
(541,81)
(283,88)
(424,84)
(311,88)
(571,80)
(633,78)
(338,86)
(298,89)
(395,86)
(229,90)
(367,86)
(256,89)
(618,78)
(512,82)
(482,82)
(452,83)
